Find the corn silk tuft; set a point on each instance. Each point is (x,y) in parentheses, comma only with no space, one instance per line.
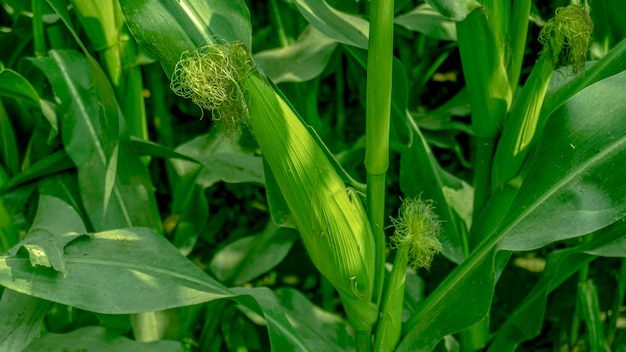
(567,36)
(418,227)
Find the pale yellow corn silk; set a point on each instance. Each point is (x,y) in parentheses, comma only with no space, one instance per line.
(566,37)
(214,78)
(417,226)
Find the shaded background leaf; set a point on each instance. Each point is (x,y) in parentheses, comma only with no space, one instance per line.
(98,339)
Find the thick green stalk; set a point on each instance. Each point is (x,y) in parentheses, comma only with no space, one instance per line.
(39,41)
(379,66)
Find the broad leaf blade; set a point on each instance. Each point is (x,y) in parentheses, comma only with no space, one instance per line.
(574,185)
(222,161)
(134,270)
(91,134)
(304,60)
(98,339)
(568,192)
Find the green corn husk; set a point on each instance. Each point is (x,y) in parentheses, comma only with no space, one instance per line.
(566,39)
(329,217)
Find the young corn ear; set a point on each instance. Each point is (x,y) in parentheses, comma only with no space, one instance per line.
(566,39)
(330,218)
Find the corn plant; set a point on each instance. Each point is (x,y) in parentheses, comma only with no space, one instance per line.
(307,175)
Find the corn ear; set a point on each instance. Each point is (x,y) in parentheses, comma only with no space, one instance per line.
(329,217)
(566,40)
(519,130)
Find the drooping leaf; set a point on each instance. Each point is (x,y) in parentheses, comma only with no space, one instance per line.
(252,256)
(302,61)
(426,20)
(13,85)
(222,161)
(454,9)
(345,28)
(56,224)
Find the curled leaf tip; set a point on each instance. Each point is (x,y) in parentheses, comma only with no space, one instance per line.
(567,36)
(418,227)
(214,78)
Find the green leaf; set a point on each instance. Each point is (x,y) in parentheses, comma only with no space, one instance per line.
(136,270)
(342,27)
(167,28)
(146,147)
(485,73)
(563,85)
(327,332)
(13,85)
(526,321)
(91,134)
(49,165)
(249,257)
(190,212)
(420,174)
(56,224)
(304,60)
(21,318)
(426,20)
(9,154)
(588,297)
(582,190)
(570,190)
(456,10)
(98,339)
(222,161)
